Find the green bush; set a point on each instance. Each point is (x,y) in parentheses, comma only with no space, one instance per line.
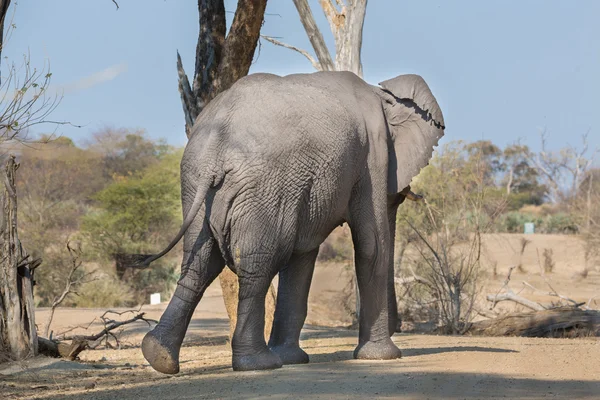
(516,201)
(514,221)
(560,223)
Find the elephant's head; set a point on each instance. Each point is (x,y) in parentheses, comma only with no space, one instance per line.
(415,125)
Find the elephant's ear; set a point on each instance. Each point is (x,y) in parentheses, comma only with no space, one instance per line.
(415,123)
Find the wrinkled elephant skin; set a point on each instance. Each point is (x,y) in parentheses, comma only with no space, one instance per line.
(273,165)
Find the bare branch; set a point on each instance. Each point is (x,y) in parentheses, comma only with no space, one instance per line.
(510,296)
(305,53)
(116,4)
(553,293)
(71,283)
(314,35)
(190,109)
(82,342)
(111,325)
(589,302)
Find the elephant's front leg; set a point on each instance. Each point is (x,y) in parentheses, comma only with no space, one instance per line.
(292,305)
(202,263)
(371,237)
(250,352)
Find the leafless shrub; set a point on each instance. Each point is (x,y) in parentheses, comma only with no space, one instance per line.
(524,242)
(75,278)
(549,263)
(446,268)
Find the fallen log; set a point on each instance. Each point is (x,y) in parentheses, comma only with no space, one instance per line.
(69,347)
(563,322)
(56,349)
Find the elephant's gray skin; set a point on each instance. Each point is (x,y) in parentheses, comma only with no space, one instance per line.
(274,164)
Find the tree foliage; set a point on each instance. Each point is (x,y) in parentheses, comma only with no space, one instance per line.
(136,213)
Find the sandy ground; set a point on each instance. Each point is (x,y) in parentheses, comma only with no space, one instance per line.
(432,367)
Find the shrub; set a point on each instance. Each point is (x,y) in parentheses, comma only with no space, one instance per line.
(549,261)
(514,221)
(337,246)
(103,292)
(560,223)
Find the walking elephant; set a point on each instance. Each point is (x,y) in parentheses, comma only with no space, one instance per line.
(273,165)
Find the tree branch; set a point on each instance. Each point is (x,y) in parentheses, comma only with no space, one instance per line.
(188,101)
(70,283)
(314,35)
(553,293)
(79,343)
(510,296)
(316,65)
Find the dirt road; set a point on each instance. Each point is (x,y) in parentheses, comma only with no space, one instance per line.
(433,367)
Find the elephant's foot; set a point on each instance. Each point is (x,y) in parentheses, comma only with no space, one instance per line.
(265,359)
(383,349)
(290,354)
(159,354)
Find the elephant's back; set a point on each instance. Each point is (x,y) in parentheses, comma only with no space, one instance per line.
(272,113)
(294,150)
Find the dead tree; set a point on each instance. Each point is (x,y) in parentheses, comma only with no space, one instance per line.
(346,19)
(220,61)
(4,4)
(18,336)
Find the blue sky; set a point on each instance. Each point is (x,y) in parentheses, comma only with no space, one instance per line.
(500,70)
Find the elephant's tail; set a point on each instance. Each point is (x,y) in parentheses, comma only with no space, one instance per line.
(144,260)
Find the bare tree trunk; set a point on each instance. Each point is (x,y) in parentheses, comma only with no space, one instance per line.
(346,23)
(4,4)
(18,336)
(346,20)
(220,62)
(510,181)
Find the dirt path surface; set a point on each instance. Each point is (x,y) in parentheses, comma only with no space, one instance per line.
(433,367)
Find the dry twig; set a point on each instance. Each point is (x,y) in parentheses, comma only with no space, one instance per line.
(79,343)
(71,284)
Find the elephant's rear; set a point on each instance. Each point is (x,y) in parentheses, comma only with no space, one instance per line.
(291,155)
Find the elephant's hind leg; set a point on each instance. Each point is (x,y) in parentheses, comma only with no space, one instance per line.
(201,265)
(290,312)
(250,352)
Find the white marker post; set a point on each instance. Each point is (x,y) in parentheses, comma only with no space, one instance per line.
(155,298)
